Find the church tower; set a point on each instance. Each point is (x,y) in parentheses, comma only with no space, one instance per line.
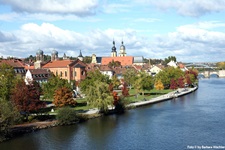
(39,59)
(122,50)
(113,53)
(54,55)
(80,57)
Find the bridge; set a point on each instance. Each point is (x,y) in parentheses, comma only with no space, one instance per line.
(208,73)
(201,65)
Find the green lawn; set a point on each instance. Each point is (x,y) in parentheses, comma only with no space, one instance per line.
(82,102)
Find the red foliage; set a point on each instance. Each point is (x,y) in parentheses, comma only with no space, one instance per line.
(116,98)
(188,79)
(125,90)
(192,72)
(173,84)
(27,97)
(181,82)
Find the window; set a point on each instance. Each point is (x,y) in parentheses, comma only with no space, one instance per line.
(61,74)
(75,73)
(56,73)
(65,74)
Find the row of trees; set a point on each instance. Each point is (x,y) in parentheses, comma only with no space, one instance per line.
(98,88)
(18,100)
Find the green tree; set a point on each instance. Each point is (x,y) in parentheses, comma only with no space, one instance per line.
(9,115)
(98,95)
(52,85)
(66,116)
(87,59)
(143,82)
(7,81)
(91,78)
(170,58)
(168,74)
(115,81)
(130,76)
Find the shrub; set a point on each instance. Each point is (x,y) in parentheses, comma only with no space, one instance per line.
(66,116)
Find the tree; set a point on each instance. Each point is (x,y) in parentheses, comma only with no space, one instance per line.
(91,78)
(98,95)
(7,81)
(130,76)
(143,82)
(63,97)
(66,116)
(52,85)
(158,85)
(115,81)
(170,58)
(168,74)
(8,116)
(87,59)
(180,82)
(125,90)
(27,98)
(114,64)
(173,84)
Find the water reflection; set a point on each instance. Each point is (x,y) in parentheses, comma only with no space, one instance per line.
(194,119)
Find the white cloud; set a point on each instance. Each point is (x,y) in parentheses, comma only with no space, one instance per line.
(193,42)
(193,8)
(116,8)
(48,37)
(75,7)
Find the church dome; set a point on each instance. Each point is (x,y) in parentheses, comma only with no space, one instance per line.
(114,47)
(54,52)
(122,47)
(39,52)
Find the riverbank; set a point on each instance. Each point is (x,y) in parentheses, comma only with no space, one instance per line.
(169,96)
(21,129)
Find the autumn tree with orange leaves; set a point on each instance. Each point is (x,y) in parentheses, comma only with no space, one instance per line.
(63,97)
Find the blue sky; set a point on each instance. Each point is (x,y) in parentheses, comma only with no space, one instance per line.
(191,30)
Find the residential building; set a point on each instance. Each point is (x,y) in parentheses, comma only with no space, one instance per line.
(38,75)
(67,69)
(17,65)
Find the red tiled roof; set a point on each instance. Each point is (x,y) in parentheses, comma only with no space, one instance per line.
(39,71)
(105,68)
(15,63)
(125,60)
(58,64)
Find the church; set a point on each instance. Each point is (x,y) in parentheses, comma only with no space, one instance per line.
(122,57)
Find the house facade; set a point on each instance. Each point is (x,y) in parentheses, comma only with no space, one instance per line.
(38,75)
(67,69)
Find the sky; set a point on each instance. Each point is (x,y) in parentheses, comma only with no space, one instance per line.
(191,30)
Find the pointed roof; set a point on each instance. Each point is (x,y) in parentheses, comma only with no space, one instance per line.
(80,55)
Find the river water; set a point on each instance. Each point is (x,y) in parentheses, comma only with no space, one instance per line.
(194,121)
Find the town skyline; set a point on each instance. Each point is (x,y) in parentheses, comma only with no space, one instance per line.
(192,30)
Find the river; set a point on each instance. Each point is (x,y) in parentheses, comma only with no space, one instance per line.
(194,121)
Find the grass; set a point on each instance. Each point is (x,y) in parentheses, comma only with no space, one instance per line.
(82,102)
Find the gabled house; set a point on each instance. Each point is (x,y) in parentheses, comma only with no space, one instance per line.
(67,69)
(17,65)
(172,64)
(156,69)
(38,75)
(106,70)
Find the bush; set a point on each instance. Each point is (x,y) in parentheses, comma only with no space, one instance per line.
(66,116)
